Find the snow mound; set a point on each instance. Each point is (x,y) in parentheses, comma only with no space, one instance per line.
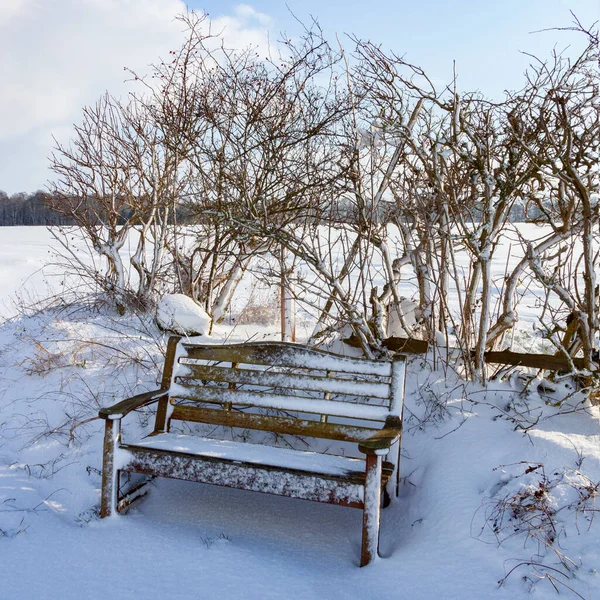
(408,309)
(180,314)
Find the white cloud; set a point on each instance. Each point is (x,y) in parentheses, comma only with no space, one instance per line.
(59,56)
(247,27)
(245,11)
(11,9)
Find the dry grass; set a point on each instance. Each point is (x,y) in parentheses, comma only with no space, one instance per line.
(44,362)
(262,308)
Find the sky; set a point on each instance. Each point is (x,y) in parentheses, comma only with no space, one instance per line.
(57,56)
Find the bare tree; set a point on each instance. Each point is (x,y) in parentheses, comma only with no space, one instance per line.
(560,132)
(117,177)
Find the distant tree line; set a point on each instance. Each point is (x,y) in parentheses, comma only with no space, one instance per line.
(38,209)
(30,209)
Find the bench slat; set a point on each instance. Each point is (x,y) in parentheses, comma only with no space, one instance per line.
(285,380)
(258,478)
(286,355)
(193,391)
(282,425)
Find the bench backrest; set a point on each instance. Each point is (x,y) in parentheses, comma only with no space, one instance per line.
(300,390)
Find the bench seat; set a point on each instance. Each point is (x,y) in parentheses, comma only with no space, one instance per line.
(253,467)
(254,454)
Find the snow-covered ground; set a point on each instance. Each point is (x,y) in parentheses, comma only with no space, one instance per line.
(472,478)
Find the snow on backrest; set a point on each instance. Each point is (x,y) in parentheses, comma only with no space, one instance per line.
(291,377)
(284,354)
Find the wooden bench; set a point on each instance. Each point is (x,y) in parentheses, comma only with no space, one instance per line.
(275,390)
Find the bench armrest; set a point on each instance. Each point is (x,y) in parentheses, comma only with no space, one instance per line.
(382,441)
(119,410)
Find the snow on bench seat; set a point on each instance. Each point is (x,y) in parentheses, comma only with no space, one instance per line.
(256,454)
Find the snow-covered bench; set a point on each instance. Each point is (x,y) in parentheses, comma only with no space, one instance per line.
(278,388)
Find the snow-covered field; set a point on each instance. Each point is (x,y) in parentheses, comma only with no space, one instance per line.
(472,479)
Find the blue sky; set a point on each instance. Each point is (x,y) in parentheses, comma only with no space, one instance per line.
(483,36)
(57,56)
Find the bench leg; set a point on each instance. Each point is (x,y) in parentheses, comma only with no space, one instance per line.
(393,484)
(386,499)
(110,487)
(372,510)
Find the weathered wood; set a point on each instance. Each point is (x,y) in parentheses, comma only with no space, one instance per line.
(407,345)
(169,361)
(570,333)
(110,474)
(327,396)
(312,383)
(392,487)
(395,344)
(537,361)
(345,491)
(188,385)
(286,355)
(119,410)
(190,389)
(397,386)
(381,440)
(132,495)
(162,410)
(281,425)
(232,386)
(372,510)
